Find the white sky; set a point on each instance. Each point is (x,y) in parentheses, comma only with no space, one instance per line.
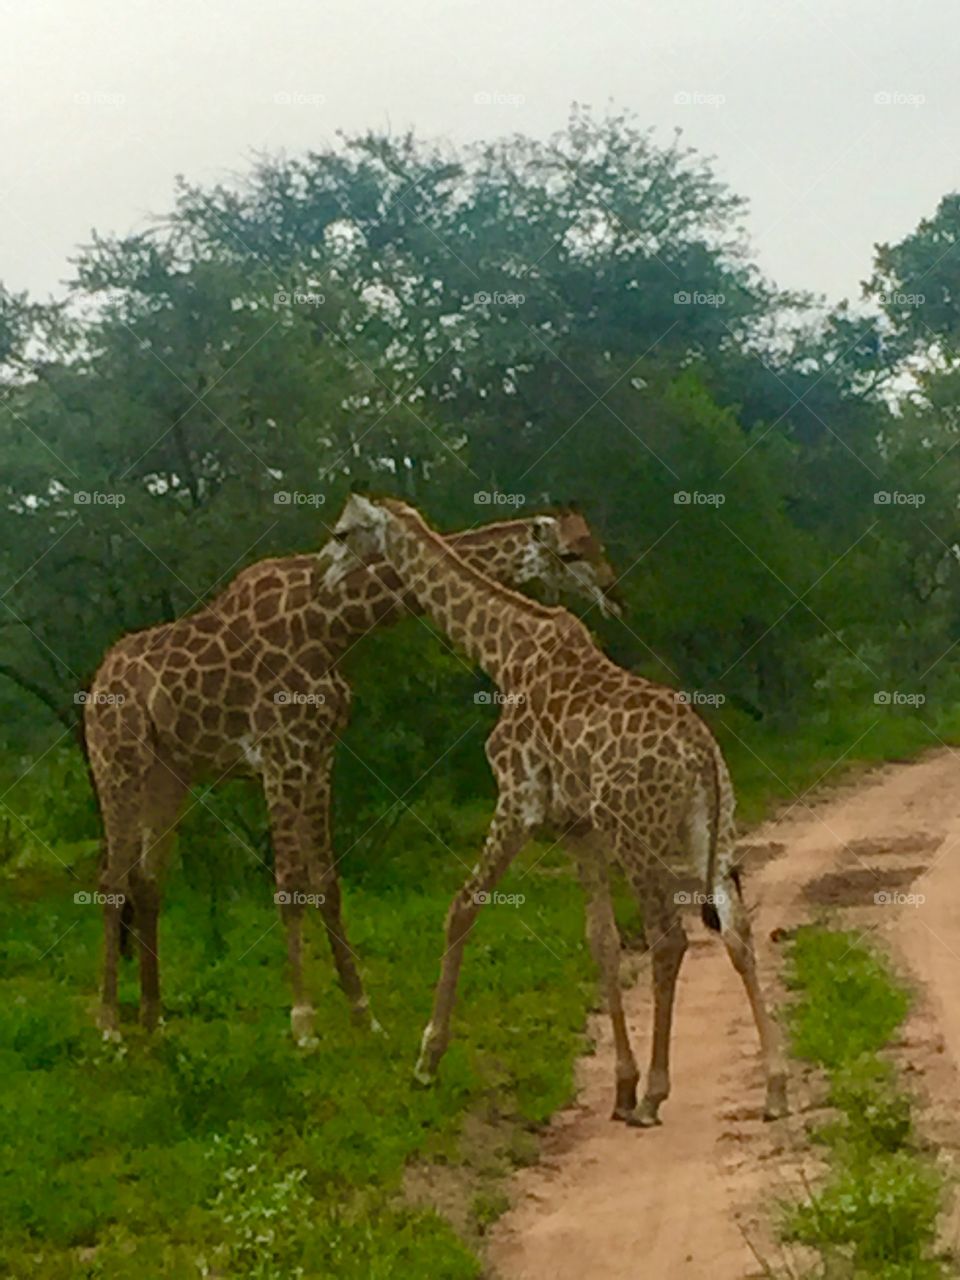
(103,102)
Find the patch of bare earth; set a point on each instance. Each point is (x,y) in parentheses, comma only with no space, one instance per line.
(696,1198)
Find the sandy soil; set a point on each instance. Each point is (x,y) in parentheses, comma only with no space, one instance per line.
(692,1198)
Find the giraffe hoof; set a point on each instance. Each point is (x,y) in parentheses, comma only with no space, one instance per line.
(302,1022)
(108,1023)
(363,1018)
(776,1106)
(645,1117)
(625,1098)
(308,1042)
(110,1035)
(638,1121)
(424,1078)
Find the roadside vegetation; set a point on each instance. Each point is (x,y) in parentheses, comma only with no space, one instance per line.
(875,1212)
(218,1148)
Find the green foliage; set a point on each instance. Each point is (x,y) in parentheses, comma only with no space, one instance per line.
(311,328)
(850,1005)
(217,1142)
(880,1215)
(875,1214)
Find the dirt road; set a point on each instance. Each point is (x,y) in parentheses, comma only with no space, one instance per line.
(690,1199)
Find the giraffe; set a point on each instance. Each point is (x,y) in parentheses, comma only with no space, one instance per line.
(623,768)
(248,685)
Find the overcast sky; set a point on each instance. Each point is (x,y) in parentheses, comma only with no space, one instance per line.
(839,122)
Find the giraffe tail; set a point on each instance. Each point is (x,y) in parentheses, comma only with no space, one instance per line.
(708,909)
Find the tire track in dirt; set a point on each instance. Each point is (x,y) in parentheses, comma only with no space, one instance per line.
(691,1199)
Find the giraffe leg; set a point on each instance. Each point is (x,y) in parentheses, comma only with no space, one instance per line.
(288,827)
(108,1018)
(321,850)
(604,940)
(302,1013)
(736,934)
(347,971)
(507,835)
(121,846)
(147,897)
(669,945)
(299,832)
(166,792)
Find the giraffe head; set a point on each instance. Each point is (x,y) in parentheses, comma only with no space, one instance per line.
(559,551)
(570,558)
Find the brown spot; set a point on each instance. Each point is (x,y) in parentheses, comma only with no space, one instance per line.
(267,607)
(210,717)
(276,633)
(237,724)
(356,619)
(212,681)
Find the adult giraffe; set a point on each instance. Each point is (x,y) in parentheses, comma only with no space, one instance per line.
(612,761)
(247,685)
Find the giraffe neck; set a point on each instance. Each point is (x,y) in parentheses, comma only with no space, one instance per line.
(376,596)
(480,616)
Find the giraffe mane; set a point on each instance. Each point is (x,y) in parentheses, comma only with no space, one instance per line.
(459,536)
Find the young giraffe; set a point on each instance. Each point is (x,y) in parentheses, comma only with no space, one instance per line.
(247,686)
(612,761)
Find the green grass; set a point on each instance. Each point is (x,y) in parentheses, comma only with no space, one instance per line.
(875,1213)
(218,1145)
(217,1141)
(771,765)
